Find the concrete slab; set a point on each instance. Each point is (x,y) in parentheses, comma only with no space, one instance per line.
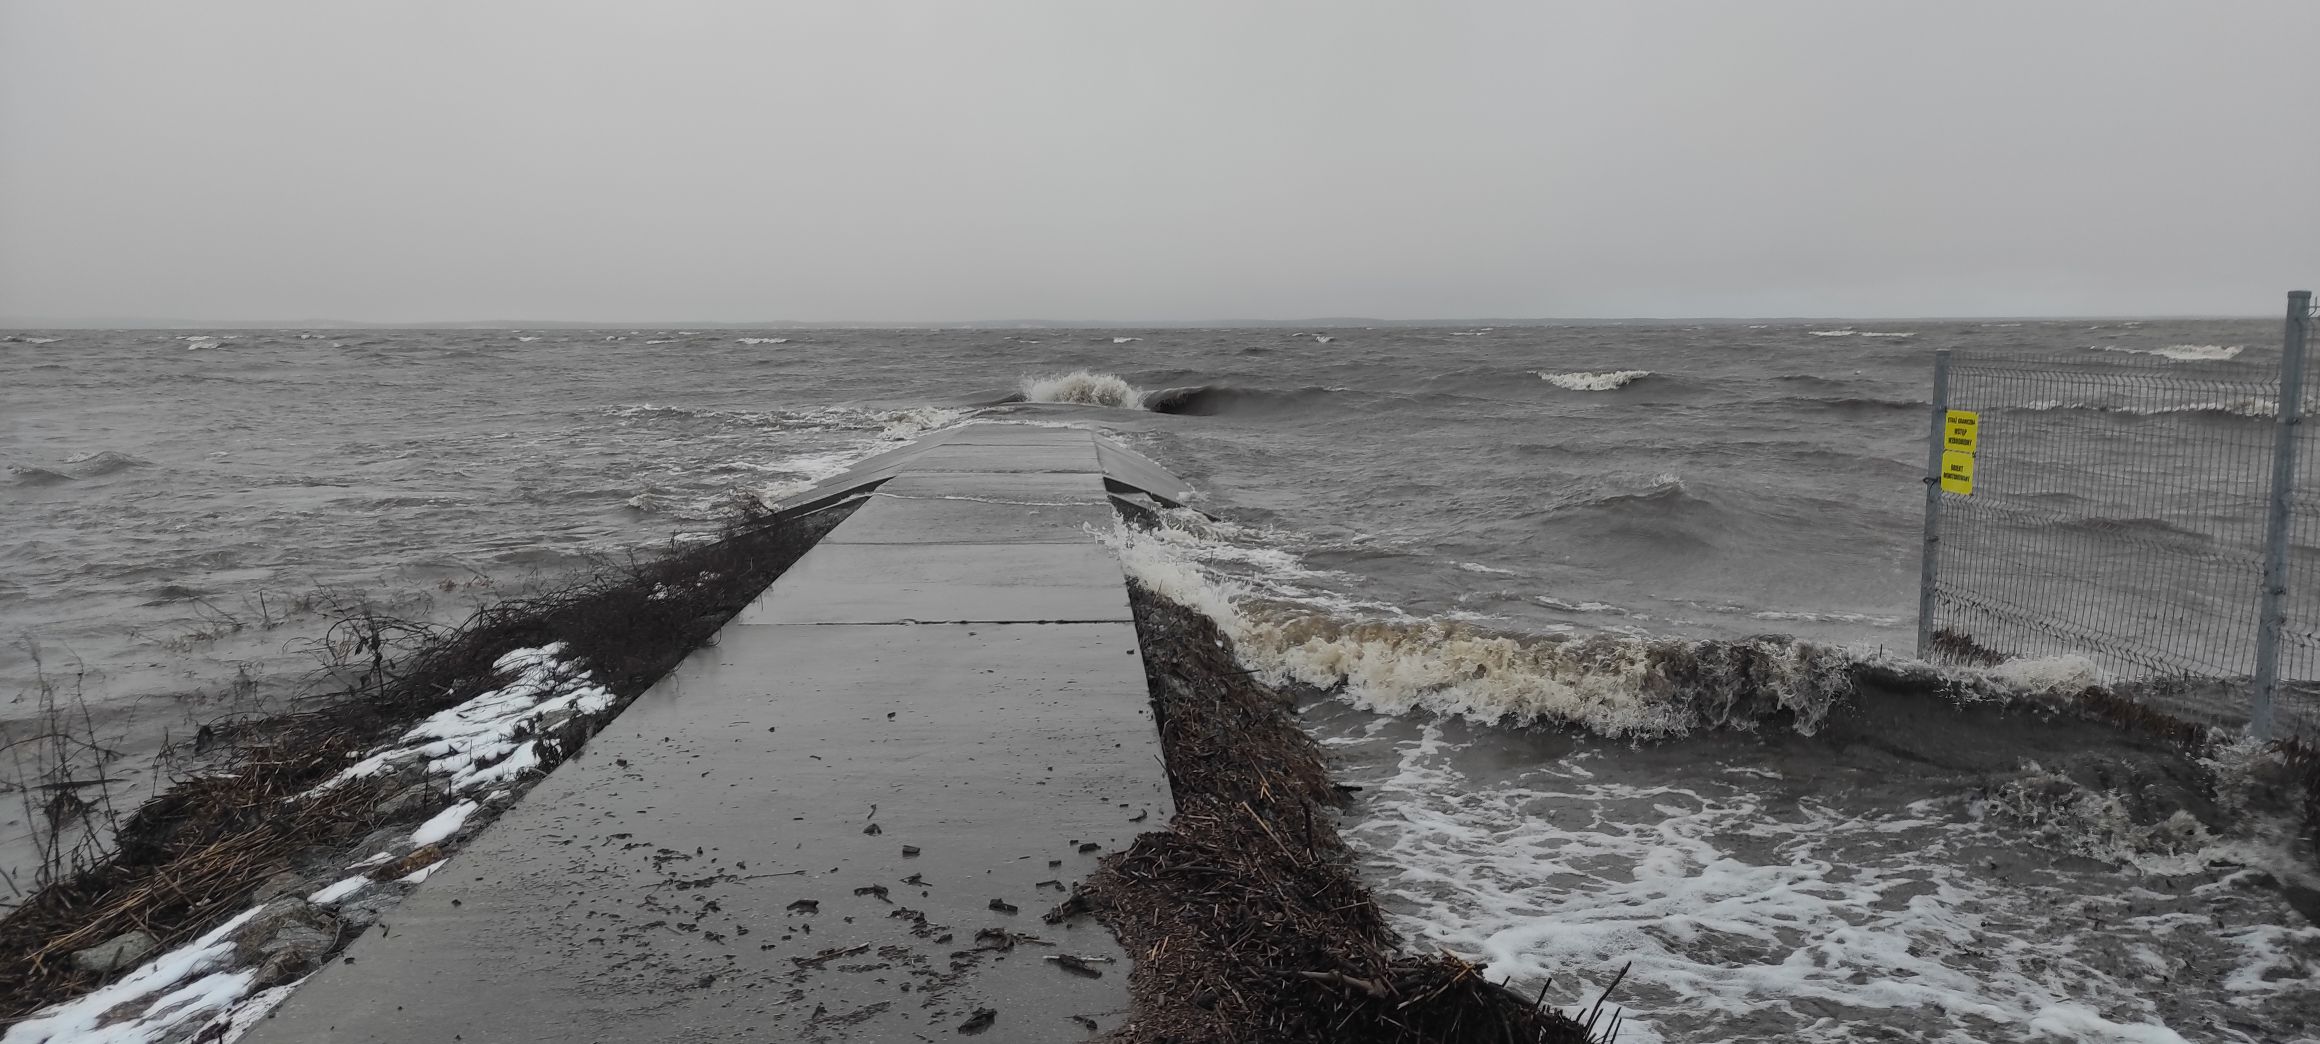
(988,434)
(726,861)
(971,509)
(826,494)
(649,889)
(839,582)
(1030,488)
(1041,456)
(1134,469)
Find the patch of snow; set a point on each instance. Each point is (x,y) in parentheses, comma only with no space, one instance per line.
(174,990)
(445,824)
(341,890)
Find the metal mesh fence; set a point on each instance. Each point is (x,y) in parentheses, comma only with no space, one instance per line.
(2118,511)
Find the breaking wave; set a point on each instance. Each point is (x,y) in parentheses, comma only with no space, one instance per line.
(1616,488)
(1584,381)
(886,424)
(106,462)
(1083,388)
(762,340)
(2182,352)
(2246,407)
(1208,400)
(1621,682)
(28,476)
(1613,685)
(1088,388)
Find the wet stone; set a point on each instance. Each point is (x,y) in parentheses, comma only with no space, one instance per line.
(121,951)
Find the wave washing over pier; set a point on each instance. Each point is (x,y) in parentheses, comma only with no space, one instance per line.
(1580,608)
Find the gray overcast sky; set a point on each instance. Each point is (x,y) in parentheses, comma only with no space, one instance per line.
(629,160)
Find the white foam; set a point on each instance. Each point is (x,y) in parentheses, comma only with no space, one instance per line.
(1083,388)
(1753,915)
(1477,567)
(1876,333)
(1833,333)
(1322,338)
(763,340)
(1585,381)
(2070,673)
(1580,607)
(1792,616)
(2247,407)
(2182,352)
(1385,660)
(1125,340)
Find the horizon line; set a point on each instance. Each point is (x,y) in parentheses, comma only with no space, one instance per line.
(65,323)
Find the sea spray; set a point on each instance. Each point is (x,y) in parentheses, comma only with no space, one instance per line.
(1609,380)
(1614,685)
(1082,388)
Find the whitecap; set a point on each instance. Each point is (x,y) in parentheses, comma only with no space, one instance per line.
(762,340)
(1384,660)
(1083,388)
(2181,352)
(1606,380)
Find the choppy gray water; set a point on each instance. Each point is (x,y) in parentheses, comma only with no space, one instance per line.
(171,496)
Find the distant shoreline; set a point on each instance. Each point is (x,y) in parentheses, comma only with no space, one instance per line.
(1339,322)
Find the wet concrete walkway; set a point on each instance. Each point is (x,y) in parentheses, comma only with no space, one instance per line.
(840,821)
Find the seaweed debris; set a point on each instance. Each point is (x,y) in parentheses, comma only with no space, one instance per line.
(1244,915)
(198,854)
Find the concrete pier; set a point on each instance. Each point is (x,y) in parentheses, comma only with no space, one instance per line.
(839,822)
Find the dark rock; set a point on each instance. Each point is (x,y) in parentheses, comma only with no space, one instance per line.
(412,802)
(112,955)
(288,882)
(285,939)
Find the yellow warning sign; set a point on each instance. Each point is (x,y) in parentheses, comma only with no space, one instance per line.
(1962,432)
(1957,473)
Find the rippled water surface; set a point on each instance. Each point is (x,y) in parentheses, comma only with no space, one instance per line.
(182,509)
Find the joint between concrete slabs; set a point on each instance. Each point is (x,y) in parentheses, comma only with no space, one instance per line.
(938,623)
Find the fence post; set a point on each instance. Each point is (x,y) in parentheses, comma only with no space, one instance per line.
(1929,569)
(2271,615)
